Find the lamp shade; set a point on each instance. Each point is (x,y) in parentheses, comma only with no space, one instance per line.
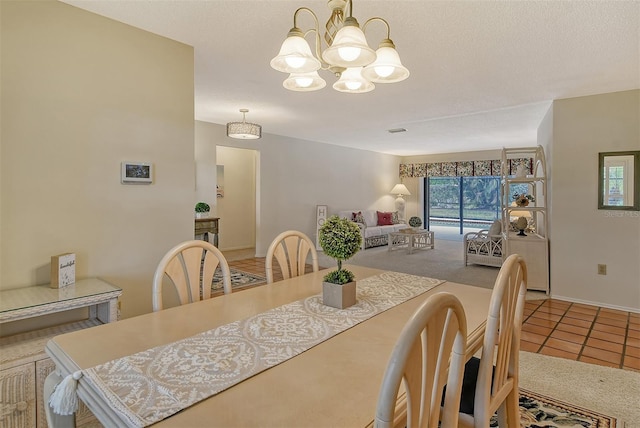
(244,130)
(400,189)
(349,48)
(351,81)
(387,67)
(295,55)
(304,82)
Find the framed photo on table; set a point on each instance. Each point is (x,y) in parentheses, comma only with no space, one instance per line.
(136,172)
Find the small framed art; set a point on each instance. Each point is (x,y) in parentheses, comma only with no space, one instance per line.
(136,172)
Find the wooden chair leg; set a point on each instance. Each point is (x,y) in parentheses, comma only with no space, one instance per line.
(512,407)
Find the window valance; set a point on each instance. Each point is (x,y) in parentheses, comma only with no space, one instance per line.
(463,168)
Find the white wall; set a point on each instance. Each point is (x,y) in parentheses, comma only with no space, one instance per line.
(584,236)
(296,175)
(80,94)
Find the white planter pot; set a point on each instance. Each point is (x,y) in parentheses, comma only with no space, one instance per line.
(202,215)
(339,296)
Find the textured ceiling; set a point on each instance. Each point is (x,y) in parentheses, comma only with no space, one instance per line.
(483,73)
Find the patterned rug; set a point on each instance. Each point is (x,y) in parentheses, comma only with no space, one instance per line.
(239,279)
(539,411)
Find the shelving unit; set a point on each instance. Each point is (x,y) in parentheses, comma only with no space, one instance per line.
(24,365)
(524,170)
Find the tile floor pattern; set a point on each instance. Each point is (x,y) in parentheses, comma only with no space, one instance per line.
(591,334)
(575,331)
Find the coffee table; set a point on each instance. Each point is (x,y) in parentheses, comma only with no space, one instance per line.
(411,239)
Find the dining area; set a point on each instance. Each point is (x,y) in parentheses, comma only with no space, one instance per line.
(275,355)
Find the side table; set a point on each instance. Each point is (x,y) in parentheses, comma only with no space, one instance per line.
(206,226)
(411,239)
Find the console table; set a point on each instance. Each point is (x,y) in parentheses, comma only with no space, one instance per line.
(24,365)
(205,226)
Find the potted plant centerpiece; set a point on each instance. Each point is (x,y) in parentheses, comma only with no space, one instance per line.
(202,210)
(340,239)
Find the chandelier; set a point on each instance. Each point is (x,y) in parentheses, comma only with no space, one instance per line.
(244,130)
(347,54)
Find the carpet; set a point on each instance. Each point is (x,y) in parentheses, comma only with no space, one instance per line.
(239,279)
(538,411)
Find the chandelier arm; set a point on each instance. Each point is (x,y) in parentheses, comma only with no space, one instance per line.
(377,18)
(316,30)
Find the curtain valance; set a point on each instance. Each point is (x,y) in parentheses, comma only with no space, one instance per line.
(463,168)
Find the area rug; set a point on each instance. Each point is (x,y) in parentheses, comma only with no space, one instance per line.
(239,279)
(537,411)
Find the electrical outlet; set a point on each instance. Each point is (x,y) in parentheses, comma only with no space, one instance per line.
(602,269)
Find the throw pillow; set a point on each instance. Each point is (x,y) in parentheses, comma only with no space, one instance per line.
(394,217)
(496,228)
(384,219)
(357,217)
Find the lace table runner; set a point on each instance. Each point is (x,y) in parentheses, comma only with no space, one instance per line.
(149,386)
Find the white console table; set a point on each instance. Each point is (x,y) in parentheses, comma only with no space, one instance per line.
(24,365)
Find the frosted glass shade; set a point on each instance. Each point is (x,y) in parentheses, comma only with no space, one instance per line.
(387,67)
(304,82)
(295,56)
(349,47)
(351,81)
(244,130)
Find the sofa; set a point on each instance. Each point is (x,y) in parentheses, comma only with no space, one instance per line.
(374,225)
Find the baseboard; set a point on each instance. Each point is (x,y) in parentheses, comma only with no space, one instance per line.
(591,303)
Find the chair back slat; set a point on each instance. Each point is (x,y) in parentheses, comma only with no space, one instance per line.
(190,266)
(290,249)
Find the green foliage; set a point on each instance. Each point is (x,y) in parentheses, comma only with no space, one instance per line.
(202,207)
(415,222)
(340,239)
(339,277)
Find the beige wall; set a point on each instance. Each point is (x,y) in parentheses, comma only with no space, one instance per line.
(584,236)
(80,94)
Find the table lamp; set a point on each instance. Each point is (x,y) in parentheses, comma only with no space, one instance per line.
(400,190)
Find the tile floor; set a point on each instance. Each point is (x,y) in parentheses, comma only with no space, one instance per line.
(576,331)
(591,334)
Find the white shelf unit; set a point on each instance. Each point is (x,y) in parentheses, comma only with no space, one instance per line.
(534,247)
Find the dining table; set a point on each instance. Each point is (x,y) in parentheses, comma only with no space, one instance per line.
(334,383)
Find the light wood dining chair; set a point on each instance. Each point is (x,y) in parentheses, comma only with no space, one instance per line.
(190,266)
(429,353)
(491,382)
(290,249)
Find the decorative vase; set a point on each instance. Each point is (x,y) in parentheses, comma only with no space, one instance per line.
(339,296)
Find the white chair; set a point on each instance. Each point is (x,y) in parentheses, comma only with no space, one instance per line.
(484,247)
(491,382)
(190,266)
(429,353)
(290,249)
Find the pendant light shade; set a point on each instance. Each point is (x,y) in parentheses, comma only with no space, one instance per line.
(304,82)
(244,130)
(349,48)
(387,67)
(295,55)
(351,81)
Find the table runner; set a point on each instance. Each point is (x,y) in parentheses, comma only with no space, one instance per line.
(152,385)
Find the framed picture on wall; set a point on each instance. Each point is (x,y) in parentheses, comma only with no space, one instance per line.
(136,172)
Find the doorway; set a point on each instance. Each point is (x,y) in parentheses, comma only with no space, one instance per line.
(236,197)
